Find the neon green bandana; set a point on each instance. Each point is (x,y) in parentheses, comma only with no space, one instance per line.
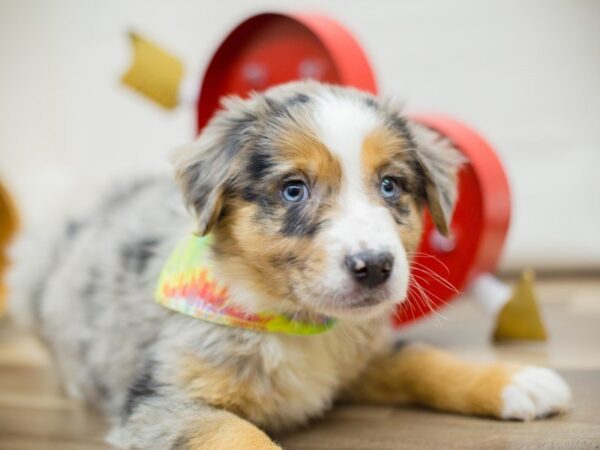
(187,285)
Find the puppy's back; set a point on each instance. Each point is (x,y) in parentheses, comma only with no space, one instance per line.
(87,286)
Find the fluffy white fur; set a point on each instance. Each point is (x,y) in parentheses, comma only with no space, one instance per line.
(535,392)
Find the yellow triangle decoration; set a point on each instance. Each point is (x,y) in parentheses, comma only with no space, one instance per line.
(520,318)
(154,73)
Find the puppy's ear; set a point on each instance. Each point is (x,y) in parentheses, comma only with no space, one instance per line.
(440,163)
(206,167)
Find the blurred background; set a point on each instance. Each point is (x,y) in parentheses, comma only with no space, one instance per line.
(525,74)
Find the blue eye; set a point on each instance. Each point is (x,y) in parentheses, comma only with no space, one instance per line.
(389,188)
(294,191)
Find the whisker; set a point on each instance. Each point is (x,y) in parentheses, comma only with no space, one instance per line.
(428,255)
(427,300)
(439,299)
(435,276)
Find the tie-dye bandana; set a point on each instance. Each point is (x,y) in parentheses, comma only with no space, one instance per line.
(187,285)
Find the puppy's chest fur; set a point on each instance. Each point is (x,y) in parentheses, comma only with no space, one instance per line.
(277,380)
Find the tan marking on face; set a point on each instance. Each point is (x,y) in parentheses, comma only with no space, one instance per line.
(383,149)
(260,255)
(305,152)
(380,148)
(411,234)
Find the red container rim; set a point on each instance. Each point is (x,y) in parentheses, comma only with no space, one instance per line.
(343,52)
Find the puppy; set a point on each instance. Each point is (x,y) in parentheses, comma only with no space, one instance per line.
(310,200)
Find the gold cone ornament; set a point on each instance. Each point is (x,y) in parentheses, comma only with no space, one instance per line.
(520,317)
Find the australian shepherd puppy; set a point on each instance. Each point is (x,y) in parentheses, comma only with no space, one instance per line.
(312,196)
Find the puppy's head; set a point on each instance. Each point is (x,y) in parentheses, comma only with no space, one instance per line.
(315,196)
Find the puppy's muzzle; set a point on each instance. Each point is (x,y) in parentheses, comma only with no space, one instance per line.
(370,268)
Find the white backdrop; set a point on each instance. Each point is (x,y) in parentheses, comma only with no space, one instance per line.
(524,73)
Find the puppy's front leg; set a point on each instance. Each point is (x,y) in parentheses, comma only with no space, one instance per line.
(430,377)
(169,422)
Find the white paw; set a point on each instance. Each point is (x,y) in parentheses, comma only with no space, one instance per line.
(535,392)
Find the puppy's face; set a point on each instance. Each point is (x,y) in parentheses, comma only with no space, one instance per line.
(315,196)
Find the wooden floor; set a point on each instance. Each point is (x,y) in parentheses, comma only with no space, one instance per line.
(35,415)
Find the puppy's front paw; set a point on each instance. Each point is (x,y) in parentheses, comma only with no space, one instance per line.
(535,392)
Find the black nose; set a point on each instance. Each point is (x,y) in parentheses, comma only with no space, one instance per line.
(370,268)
